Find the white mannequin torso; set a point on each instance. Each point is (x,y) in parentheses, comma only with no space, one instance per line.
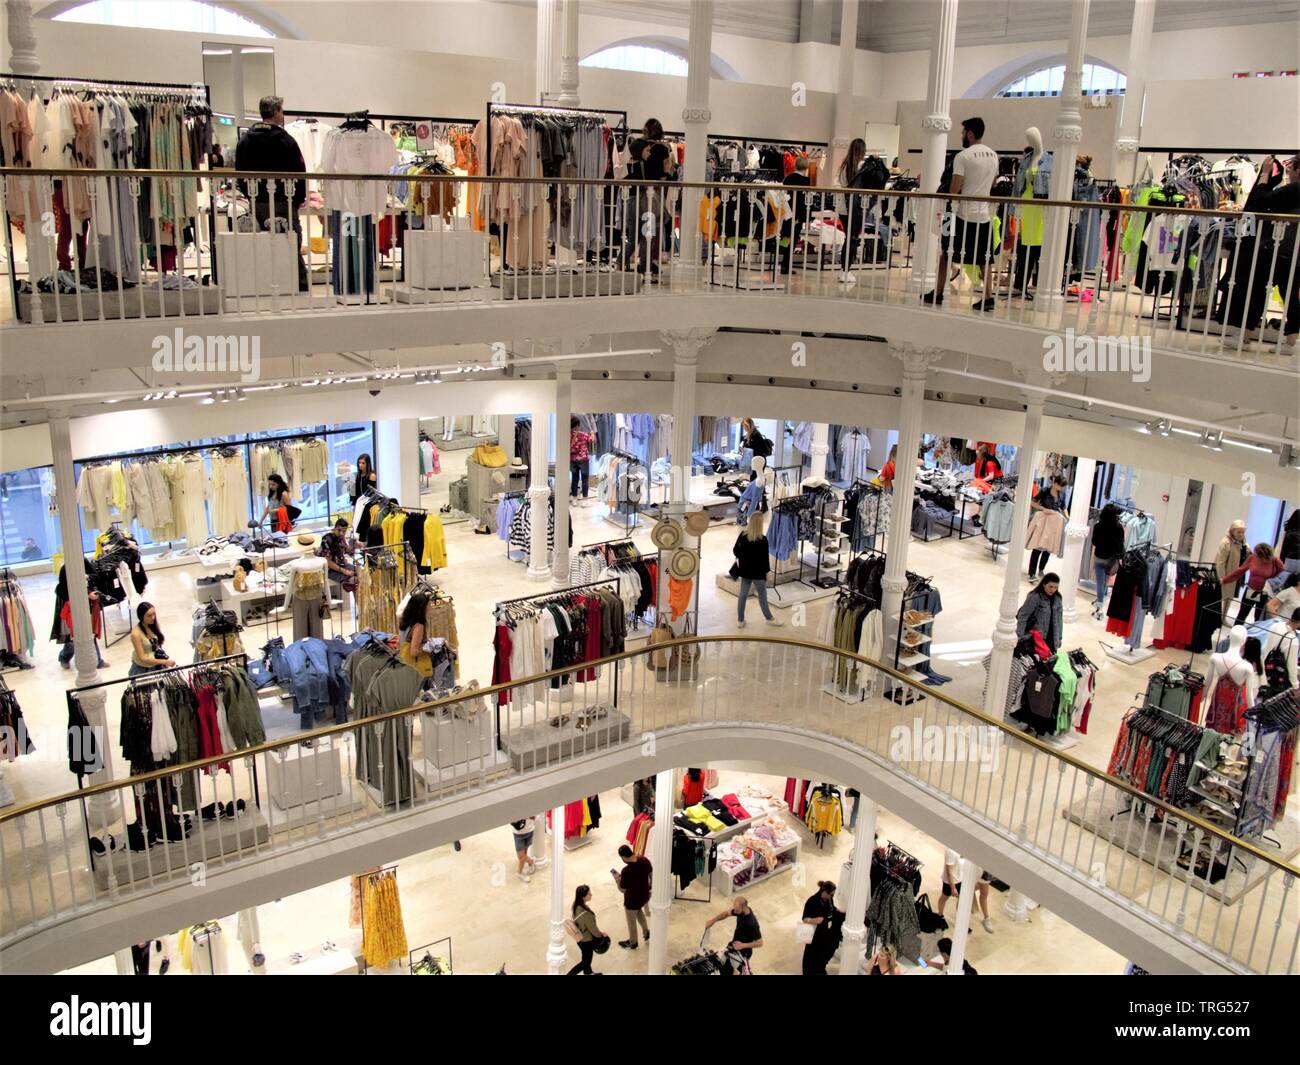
(1229,664)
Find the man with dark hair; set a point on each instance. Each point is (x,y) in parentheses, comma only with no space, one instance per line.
(945,956)
(634,881)
(267,146)
(966,234)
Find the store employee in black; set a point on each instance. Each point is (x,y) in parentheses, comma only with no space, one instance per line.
(792,227)
(747,936)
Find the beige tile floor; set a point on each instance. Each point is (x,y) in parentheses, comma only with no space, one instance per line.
(495,920)
(968,577)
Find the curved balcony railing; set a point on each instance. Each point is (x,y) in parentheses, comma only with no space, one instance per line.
(1159,275)
(1108,837)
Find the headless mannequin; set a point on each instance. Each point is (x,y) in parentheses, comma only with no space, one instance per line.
(1030,243)
(1229,666)
(1276,633)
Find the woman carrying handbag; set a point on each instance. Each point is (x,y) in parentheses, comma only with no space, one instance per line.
(582,926)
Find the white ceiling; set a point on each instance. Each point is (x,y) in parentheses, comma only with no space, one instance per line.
(907,25)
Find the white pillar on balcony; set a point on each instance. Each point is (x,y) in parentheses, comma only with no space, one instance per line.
(916,368)
(548,44)
(563,411)
(1066,135)
(1135,88)
(1076,531)
(695,121)
(858,889)
(661,860)
(556,954)
(22,37)
(539,495)
(102,809)
(568,94)
(843,126)
(821,439)
(1004,634)
(935,125)
(970,875)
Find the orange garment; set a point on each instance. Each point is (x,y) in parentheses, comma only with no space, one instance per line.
(679,596)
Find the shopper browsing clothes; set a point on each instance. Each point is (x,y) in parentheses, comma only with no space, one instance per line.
(1231,554)
(580,443)
(819,911)
(523,830)
(267,146)
(279,507)
(584,917)
(752,566)
(61,630)
(945,959)
(1260,568)
(336,549)
(634,882)
(747,936)
(1042,611)
(752,440)
(1045,533)
(147,652)
(692,787)
(366,478)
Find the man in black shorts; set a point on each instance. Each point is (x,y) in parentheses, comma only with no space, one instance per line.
(966,232)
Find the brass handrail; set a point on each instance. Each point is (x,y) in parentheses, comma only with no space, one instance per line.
(492,179)
(393,715)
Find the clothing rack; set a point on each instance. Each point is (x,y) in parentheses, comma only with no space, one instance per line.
(372,874)
(710,858)
(187,89)
(435,120)
(630,515)
(541,599)
(516,493)
(541,109)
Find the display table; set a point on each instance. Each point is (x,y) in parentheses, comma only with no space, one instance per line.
(231,599)
(298,775)
(534,746)
(737,872)
(257,264)
(444,258)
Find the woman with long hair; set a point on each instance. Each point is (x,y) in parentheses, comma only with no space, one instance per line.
(277,500)
(365,478)
(147,642)
(849,207)
(751,551)
(1043,610)
(585,918)
(410,629)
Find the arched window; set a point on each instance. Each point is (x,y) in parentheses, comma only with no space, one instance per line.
(1098,80)
(640,58)
(194,16)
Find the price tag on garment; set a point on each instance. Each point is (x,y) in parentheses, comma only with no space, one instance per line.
(1038,685)
(423,135)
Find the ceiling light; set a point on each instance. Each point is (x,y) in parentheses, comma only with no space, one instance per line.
(1212,440)
(1187,432)
(1289,456)
(1252,447)
(205,402)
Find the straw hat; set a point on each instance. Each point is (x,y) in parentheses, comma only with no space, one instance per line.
(307,539)
(666,534)
(683,564)
(697,522)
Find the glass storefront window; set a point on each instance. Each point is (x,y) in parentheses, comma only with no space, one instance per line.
(29,524)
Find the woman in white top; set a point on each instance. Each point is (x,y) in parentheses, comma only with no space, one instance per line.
(1287,601)
(952,887)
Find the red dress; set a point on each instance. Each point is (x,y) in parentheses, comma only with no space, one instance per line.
(1226,707)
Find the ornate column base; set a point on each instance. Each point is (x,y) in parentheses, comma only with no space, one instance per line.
(557,956)
(1017,906)
(539,568)
(852,947)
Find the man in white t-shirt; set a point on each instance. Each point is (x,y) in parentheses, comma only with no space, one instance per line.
(967,232)
(952,887)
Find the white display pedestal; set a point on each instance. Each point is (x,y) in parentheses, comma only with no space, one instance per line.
(445,258)
(1130,656)
(257,264)
(450,741)
(296,776)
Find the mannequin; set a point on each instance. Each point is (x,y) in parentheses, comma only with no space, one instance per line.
(1035,173)
(307,591)
(1231,685)
(1278,635)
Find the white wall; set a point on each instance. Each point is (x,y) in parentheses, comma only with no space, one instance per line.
(1261,114)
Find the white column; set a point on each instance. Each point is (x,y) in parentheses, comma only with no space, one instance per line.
(916,368)
(661,858)
(102,808)
(22,37)
(844,111)
(547,49)
(695,121)
(1066,135)
(859,888)
(568,94)
(1135,88)
(556,954)
(934,128)
(1004,634)
(563,411)
(686,345)
(1076,531)
(821,439)
(970,876)
(539,494)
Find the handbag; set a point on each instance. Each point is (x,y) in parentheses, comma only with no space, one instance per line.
(571,926)
(492,456)
(928,920)
(803,933)
(602,944)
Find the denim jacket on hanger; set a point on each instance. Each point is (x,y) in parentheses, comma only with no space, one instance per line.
(1042,179)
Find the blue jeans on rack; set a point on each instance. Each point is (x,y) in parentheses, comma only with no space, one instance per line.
(745,585)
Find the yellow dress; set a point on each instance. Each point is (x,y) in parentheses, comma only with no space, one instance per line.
(435,543)
(1031,218)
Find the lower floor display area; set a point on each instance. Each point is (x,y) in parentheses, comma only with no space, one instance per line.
(464,908)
